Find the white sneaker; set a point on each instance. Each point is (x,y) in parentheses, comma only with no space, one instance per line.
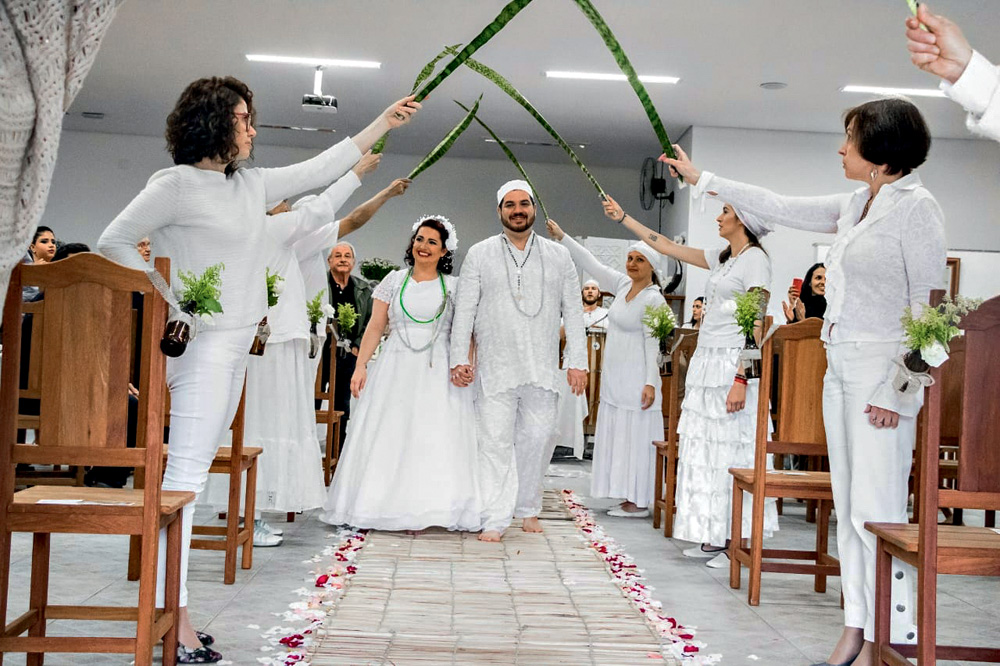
(266,526)
(263,539)
(696,551)
(720,561)
(621,513)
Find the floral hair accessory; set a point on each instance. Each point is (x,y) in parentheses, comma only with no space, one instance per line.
(452,243)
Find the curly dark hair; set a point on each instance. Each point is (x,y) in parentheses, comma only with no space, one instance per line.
(891,132)
(202,123)
(444,263)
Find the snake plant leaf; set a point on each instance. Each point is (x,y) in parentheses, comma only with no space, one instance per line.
(625,65)
(502,19)
(421,77)
(510,155)
(514,94)
(446,142)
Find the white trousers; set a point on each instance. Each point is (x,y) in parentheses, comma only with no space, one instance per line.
(516,432)
(869,470)
(205,386)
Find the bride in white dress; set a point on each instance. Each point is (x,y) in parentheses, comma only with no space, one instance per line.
(410,457)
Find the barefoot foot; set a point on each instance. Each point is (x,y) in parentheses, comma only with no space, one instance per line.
(490,535)
(531,525)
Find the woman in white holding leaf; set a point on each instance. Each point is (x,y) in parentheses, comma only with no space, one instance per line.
(718,421)
(629,418)
(411,456)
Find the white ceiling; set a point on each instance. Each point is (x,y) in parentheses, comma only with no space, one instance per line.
(721,49)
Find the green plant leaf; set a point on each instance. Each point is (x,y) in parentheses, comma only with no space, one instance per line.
(487,33)
(211,305)
(510,155)
(625,65)
(506,86)
(446,143)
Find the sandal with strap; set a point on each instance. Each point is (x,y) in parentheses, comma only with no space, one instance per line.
(206,639)
(203,655)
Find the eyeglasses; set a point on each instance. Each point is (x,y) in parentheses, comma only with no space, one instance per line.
(245,117)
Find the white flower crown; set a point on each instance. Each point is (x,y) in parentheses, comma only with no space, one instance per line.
(452,243)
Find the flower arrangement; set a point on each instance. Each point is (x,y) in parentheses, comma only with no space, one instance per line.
(347,317)
(200,293)
(275,285)
(376,269)
(749,310)
(928,335)
(660,321)
(316,309)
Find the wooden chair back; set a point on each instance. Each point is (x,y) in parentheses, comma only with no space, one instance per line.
(82,383)
(685,343)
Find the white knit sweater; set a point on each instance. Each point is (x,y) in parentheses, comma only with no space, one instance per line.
(198,218)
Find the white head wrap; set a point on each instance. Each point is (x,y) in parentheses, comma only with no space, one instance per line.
(756,224)
(589,282)
(652,256)
(512,185)
(452,243)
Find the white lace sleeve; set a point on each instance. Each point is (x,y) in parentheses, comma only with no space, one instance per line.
(807,213)
(386,289)
(978,90)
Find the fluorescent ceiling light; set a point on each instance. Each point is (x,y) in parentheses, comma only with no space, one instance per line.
(314,62)
(909,92)
(598,76)
(522,142)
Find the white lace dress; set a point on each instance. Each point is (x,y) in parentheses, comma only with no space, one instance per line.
(410,458)
(711,440)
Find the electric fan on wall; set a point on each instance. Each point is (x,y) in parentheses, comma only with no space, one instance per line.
(653,191)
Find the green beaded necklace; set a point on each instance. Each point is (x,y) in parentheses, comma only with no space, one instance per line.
(444,300)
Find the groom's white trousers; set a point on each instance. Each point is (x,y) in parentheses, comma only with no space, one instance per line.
(515,431)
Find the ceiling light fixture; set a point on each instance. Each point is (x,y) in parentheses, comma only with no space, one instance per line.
(879,90)
(323,130)
(314,62)
(774,85)
(522,142)
(599,76)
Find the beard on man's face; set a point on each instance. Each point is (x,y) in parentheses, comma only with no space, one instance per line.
(590,300)
(517,220)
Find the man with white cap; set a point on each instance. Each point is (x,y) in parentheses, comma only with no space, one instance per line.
(514,289)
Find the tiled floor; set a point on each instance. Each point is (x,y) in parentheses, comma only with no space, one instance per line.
(792,626)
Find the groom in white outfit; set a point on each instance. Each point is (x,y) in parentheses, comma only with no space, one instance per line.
(514,290)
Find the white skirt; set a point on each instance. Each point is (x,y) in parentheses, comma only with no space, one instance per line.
(624,456)
(410,458)
(281,419)
(711,441)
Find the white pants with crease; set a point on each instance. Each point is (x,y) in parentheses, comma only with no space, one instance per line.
(205,386)
(869,471)
(516,431)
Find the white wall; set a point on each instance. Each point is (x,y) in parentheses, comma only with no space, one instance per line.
(97,175)
(963,175)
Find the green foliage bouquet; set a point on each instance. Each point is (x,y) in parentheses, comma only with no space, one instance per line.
(376,269)
(347,316)
(275,285)
(749,310)
(200,294)
(928,335)
(660,321)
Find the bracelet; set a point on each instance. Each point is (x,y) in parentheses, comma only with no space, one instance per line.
(740,380)
(622,218)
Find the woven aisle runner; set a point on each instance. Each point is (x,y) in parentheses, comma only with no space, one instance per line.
(446,598)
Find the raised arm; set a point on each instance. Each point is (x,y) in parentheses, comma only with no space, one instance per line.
(608,278)
(310,216)
(659,242)
(154,207)
(358,217)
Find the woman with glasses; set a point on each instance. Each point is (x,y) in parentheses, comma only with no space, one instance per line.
(205,210)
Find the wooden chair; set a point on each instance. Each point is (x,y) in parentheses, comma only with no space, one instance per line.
(328,417)
(665,484)
(83,404)
(233,461)
(800,430)
(955,550)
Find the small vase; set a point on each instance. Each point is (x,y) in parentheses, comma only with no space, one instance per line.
(314,342)
(260,339)
(176,337)
(910,382)
(750,357)
(915,361)
(663,359)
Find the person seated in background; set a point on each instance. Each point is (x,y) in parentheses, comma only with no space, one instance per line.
(697,309)
(68,250)
(41,250)
(807,299)
(145,248)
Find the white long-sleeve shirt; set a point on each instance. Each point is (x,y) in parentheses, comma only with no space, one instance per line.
(513,349)
(978,90)
(311,253)
(630,351)
(876,266)
(198,218)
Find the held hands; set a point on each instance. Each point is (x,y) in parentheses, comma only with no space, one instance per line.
(462,375)
(358,381)
(612,210)
(397,187)
(942,49)
(682,166)
(577,380)
(366,164)
(737,398)
(881,418)
(648,395)
(555,231)
(400,112)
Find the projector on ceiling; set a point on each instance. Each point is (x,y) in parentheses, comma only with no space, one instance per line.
(319,103)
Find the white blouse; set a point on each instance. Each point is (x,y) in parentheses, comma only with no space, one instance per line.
(747,270)
(978,90)
(199,218)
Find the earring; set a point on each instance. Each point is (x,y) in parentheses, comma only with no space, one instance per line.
(874,173)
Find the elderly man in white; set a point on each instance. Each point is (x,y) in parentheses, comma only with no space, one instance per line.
(514,289)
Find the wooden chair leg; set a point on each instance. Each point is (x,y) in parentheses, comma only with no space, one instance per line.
(957,517)
(134,556)
(328,456)
(146,622)
(39,596)
(883,600)
(670,507)
(736,537)
(658,462)
(172,587)
(822,541)
(233,523)
(4,577)
(926,616)
(756,553)
(250,506)
(336,446)
(779,463)
(991,519)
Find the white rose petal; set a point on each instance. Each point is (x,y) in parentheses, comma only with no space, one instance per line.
(328,310)
(934,354)
(728,307)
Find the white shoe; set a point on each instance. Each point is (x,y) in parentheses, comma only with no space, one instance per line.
(696,551)
(266,526)
(622,513)
(264,539)
(720,561)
